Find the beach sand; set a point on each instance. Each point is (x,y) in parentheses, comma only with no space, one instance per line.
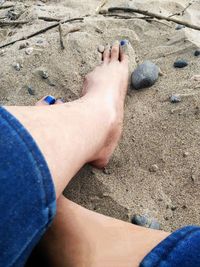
(156,132)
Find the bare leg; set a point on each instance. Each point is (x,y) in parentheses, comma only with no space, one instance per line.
(82,238)
(86,130)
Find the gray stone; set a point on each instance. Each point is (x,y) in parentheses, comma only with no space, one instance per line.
(175,99)
(179,27)
(197,53)
(180,63)
(145,75)
(17,66)
(145,221)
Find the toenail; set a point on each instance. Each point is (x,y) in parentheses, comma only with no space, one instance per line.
(50,100)
(124,42)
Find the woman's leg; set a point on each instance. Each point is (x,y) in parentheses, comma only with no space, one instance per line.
(86,130)
(82,238)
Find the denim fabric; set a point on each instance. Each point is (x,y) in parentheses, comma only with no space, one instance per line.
(180,249)
(27,196)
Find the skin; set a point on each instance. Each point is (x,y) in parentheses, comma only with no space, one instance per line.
(69,136)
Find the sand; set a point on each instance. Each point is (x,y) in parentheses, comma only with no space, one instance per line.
(156,132)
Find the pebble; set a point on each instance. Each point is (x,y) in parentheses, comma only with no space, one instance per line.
(44,74)
(175,99)
(144,221)
(17,66)
(154,168)
(2,53)
(145,75)
(186,154)
(31,90)
(101,48)
(29,51)
(179,27)
(180,63)
(24,45)
(197,53)
(173,208)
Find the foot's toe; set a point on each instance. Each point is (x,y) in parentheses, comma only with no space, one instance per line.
(115,51)
(106,54)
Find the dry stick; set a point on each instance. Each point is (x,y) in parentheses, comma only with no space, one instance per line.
(75,29)
(49,19)
(7,6)
(154,15)
(135,17)
(103,2)
(6,23)
(40,31)
(61,36)
(181,12)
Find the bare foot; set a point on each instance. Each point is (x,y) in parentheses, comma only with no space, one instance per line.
(108,84)
(82,238)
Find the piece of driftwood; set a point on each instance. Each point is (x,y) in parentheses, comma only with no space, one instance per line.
(154,15)
(41,31)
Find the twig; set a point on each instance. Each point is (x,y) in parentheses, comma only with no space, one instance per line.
(61,36)
(7,6)
(154,15)
(40,31)
(49,19)
(75,29)
(5,23)
(136,17)
(103,2)
(181,12)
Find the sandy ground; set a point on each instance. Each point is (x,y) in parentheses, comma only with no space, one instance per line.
(155,130)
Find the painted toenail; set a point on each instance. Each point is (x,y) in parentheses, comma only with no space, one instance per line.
(50,100)
(124,42)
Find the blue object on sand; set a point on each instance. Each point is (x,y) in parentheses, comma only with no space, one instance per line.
(124,42)
(50,100)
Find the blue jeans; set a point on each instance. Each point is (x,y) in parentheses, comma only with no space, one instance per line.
(28,205)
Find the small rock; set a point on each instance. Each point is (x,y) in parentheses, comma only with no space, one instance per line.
(140,220)
(153,168)
(31,91)
(101,48)
(145,75)
(44,74)
(2,53)
(154,225)
(193,178)
(29,51)
(181,63)
(197,53)
(145,222)
(184,207)
(24,45)
(179,27)
(173,208)
(17,66)
(185,154)
(106,171)
(175,99)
